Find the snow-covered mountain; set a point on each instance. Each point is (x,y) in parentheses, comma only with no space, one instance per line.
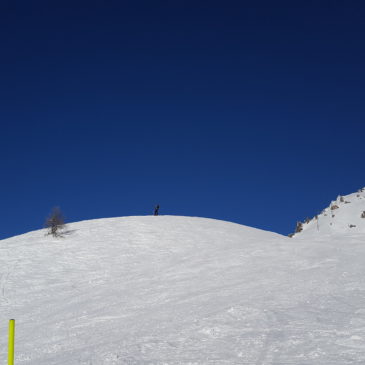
(179,290)
(345,215)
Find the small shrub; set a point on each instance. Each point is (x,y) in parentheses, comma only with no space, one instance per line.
(55,222)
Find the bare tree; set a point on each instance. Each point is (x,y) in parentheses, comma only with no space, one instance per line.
(55,222)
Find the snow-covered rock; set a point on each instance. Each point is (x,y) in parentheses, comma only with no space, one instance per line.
(345,215)
(179,290)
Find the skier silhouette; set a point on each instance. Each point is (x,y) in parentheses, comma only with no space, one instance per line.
(157,207)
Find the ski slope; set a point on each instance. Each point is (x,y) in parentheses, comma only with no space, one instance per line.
(181,290)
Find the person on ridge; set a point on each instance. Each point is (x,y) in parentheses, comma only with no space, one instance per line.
(157,207)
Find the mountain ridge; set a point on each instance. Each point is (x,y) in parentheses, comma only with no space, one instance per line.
(344,215)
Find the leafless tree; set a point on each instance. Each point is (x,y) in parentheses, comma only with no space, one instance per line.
(55,222)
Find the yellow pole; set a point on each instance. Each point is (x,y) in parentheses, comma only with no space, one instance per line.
(11,342)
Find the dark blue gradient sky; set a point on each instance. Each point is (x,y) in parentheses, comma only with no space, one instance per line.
(251,112)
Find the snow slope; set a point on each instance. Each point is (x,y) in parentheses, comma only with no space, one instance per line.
(179,290)
(345,215)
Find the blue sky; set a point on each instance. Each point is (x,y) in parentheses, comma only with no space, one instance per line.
(251,112)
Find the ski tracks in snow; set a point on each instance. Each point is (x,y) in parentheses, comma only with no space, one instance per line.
(4,279)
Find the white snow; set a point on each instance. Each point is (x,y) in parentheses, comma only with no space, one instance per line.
(179,290)
(342,216)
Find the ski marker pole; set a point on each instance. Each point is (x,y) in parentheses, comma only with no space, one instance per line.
(11,342)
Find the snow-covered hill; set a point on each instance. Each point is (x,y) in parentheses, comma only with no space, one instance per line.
(178,290)
(345,215)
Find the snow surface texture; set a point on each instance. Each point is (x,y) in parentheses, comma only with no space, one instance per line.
(345,215)
(179,290)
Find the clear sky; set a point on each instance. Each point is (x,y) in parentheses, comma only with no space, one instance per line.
(247,111)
